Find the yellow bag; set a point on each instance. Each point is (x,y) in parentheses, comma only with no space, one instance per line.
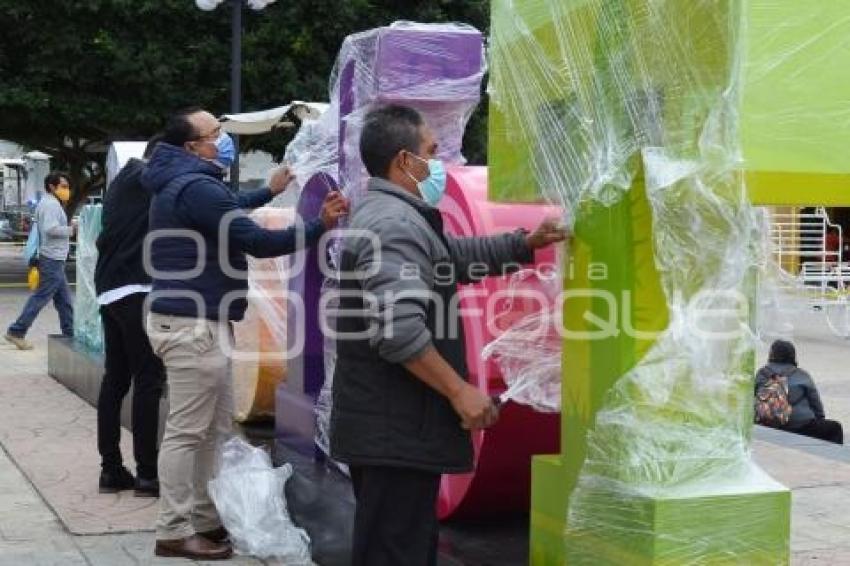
(33,278)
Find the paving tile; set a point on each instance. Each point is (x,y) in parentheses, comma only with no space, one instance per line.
(50,433)
(798,468)
(834,557)
(112,550)
(46,552)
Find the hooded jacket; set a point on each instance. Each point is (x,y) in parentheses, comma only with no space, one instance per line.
(805,400)
(200,235)
(125,224)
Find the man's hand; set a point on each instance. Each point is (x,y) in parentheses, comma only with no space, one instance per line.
(549,232)
(280,180)
(476,410)
(334,208)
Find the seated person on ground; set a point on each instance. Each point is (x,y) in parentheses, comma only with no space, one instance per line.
(807,414)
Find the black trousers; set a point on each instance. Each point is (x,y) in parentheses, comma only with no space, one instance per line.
(129,359)
(825,429)
(395,523)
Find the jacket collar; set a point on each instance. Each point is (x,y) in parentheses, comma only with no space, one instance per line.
(431,215)
(380,185)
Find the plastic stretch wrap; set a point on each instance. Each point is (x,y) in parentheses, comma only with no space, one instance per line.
(313,150)
(249,496)
(324,401)
(88,329)
(529,350)
(436,68)
(629,109)
(260,337)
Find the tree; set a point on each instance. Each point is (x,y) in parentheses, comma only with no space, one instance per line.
(75,76)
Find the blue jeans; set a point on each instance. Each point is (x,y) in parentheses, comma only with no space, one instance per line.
(52,285)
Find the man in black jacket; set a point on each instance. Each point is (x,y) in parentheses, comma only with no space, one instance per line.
(122,284)
(402,408)
(199,240)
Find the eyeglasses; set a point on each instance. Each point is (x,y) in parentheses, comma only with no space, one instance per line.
(213,135)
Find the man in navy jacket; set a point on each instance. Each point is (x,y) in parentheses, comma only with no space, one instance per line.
(199,235)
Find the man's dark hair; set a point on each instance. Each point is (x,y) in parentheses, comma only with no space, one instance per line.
(782,352)
(54,178)
(386,131)
(179,130)
(152,142)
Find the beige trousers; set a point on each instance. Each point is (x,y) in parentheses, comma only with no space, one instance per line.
(200,418)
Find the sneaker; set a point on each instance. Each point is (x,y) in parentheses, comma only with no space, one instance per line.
(117,480)
(146,488)
(18,341)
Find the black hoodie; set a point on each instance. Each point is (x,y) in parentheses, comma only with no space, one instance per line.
(125,223)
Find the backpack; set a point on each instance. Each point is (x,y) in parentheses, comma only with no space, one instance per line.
(771,402)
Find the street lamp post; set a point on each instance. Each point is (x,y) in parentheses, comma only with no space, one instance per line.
(235,64)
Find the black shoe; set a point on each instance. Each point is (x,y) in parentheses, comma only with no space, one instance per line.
(146,488)
(116,480)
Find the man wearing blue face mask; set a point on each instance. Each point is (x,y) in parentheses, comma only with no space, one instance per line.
(199,237)
(402,408)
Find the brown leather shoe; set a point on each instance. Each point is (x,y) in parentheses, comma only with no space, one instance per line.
(216,535)
(195,547)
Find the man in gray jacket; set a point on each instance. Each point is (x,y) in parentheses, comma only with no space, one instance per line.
(54,234)
(402,408)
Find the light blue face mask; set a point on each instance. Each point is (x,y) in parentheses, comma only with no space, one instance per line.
(226,150)
(433,187)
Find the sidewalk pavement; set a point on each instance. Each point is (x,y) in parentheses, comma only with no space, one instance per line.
(31,533)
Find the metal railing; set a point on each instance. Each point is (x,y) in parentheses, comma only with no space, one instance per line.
(801,247)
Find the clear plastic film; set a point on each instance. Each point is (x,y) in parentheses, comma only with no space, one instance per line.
(528,351)
(248,493)
(324,401)
(259,362)
(314,149)
(88,329)
(626,112)
(435,68)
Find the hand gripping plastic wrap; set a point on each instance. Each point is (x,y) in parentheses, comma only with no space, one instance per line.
(259,361)
(88,329)
(627,112)
(528,350)
(249,496)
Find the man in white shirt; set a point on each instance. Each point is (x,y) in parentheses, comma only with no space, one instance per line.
(54,234)
(122,284)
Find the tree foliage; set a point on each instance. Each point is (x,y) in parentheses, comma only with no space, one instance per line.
(75,76)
